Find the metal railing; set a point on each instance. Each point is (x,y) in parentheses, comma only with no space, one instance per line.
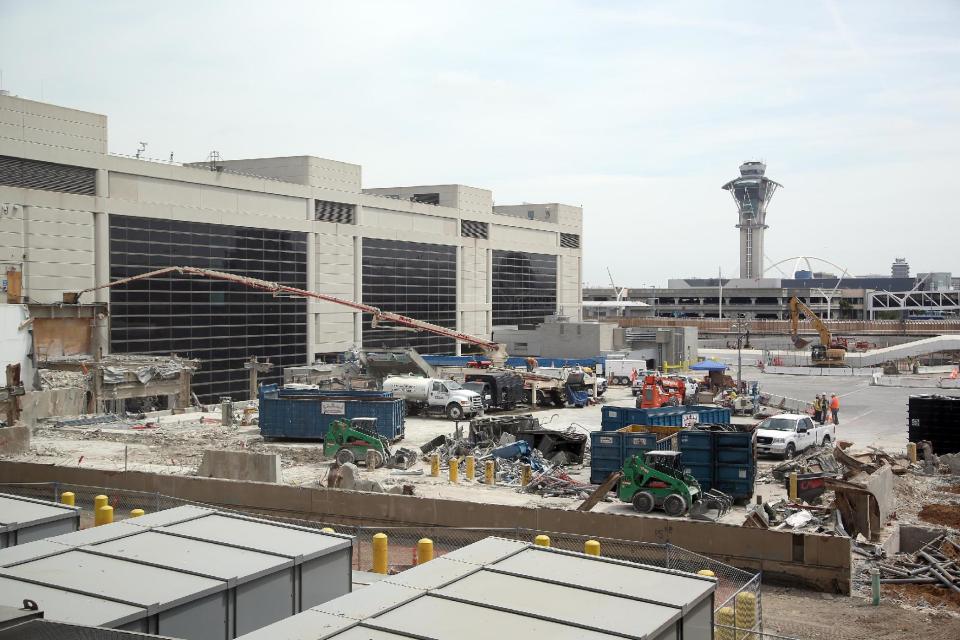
(737,590)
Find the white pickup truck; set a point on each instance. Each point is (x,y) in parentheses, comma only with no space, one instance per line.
(787,434)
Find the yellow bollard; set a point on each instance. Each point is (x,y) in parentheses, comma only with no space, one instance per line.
(490,472)
(327,530)
(471,471)
(542,541)
(454,470)
(725,617)
(380,553)
(707,573)
(524,475)
(912,452)
(745,614)
(435,465)
(793,486)
(99,501)
(68,498)
(136,513)
(591,548)
(424,550)
(103,515)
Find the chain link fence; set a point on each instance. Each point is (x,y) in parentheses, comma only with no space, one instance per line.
(737,598)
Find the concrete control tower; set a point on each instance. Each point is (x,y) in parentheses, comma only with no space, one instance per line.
(752,193)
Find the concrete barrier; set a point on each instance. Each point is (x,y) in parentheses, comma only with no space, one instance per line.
(240,465)
(823,371)
(803,559)
(38,405)
(918,383)
(14,440)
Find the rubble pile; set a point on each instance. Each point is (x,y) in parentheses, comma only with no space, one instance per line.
(56,379)
(514,443)
(838,493)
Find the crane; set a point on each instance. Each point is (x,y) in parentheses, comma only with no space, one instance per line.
(493,350)
(828,352)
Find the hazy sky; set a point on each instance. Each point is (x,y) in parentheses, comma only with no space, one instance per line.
(638,111)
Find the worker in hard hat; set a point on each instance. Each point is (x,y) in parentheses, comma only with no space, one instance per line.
(835,408)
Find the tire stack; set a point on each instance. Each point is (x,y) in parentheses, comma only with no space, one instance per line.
(935,418)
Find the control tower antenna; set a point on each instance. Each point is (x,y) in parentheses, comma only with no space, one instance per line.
(752,192)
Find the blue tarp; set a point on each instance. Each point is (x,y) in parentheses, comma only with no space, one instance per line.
(708,365)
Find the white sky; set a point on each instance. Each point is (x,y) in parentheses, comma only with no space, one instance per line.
(638,111)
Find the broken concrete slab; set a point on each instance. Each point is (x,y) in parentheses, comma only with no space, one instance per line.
(952,460)
(240,465)
(14,440)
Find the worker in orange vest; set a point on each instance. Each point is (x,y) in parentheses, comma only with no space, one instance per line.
(835,407)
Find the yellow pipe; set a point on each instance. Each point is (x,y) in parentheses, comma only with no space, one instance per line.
(524,475)
(136,513)
(99,501)
(793,486)
(911,452)
(454,470)
(471,471)
(591,548)
(490,472)
(380,555)
(68,498)
(103,515)
(745,612)
(424,550)
(542,541)
(725,617)
(435,465)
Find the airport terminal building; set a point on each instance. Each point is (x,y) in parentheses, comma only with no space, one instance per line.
(73,216)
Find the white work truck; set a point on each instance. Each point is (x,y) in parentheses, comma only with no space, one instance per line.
(433,395)
(787,434)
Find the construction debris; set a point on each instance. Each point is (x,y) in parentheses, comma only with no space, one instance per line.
(936,563)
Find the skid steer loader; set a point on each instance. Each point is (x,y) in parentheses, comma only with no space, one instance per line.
(657,480)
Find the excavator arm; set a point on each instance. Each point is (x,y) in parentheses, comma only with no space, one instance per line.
(493,350)
(796,308)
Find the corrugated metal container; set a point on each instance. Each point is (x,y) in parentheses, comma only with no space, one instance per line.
(697,454)
(609,450)
(500,588)
(306,414)
(613,418)
(24,520)
(736,466)
(187,572)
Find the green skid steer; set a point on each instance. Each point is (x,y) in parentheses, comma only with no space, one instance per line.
(349,440)
(658,481)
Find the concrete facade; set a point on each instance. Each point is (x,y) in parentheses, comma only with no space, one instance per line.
(60,240)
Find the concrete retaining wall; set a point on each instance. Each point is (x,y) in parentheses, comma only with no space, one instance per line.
(38,405)
(810,560)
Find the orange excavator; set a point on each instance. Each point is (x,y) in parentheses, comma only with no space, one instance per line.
(661,392)
(830,352)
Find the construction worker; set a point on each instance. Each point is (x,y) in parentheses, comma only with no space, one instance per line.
(818,409)
(835,408)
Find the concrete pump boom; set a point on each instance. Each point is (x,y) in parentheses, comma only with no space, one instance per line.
(496,352)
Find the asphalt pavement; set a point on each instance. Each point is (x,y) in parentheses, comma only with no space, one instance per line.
(869,415)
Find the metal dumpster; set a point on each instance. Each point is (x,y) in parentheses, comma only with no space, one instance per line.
(306,414)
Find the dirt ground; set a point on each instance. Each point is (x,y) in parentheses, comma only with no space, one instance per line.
(944,514)
(812,616)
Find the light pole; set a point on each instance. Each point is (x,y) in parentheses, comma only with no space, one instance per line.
(740,327)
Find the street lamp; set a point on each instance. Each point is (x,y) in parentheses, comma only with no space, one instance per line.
(742,328)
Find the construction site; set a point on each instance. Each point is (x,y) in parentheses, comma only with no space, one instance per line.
(251,399)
